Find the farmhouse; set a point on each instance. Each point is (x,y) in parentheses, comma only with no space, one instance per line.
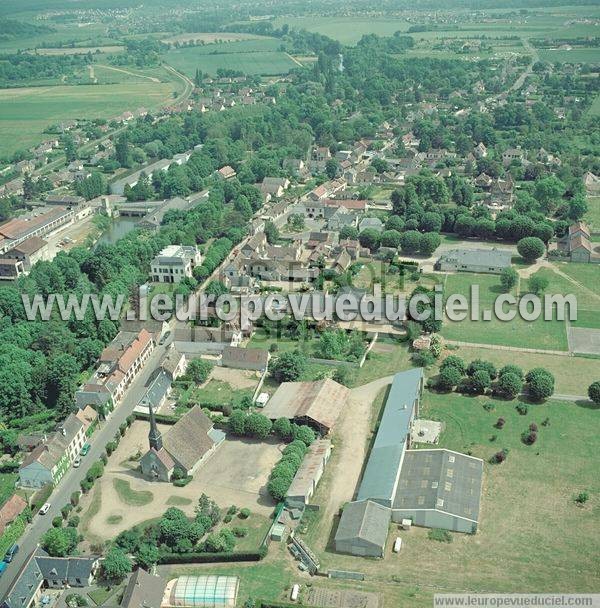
(434,488)
(318,404)
(577,244)
(184,446)
(492,261)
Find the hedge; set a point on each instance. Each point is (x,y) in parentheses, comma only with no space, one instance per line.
(201,558)
(160,418)
(270,604)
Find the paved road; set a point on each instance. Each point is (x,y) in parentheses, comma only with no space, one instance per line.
(70,482)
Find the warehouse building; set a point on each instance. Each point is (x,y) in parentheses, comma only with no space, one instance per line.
(439,489)
(363,529)
(380,479)
(435,488)
(317,404)
(490,261)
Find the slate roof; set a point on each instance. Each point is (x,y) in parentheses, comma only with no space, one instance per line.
(187,441)
(364,520)
(441,480)
(143,591)
(157,390)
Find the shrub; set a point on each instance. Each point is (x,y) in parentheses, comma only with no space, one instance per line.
(581,498)
(73,521)
(531,248)
(240,531)
(227,519)
(500,423)
(423,358)
(110,447)
(57,522)
(75,498)
(244,513)
(74,599)
(540,383)
(66,510)
(455,362)
(522,408)
(448,378)
(232,510)
(181,483)
(481,365)
(533,427)
(594,391)
(529,437)
(509,385)
(499,457)
(440,535)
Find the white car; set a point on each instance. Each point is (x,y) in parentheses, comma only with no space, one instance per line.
(45,508)
(77,462)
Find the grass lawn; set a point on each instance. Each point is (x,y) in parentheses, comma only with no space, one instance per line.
(257,526)
(26,112)
(215,391)
(270,579)
(253,57)
(576,55)
(531,536)
(561,285)
(384,360)
(101,594)
(550,335)
(7,486)
(586,274)
(572,374)
(129,496)
(179,501)
(594,110)
(587,318)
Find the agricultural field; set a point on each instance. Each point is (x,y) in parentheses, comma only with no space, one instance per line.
(253,57)
(592,217)
(26,112)
(550,335)
(575,55)
(82,50)
(88,35)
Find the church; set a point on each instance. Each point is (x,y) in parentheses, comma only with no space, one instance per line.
(184,446)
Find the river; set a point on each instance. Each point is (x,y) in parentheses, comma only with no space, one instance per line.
(118,229)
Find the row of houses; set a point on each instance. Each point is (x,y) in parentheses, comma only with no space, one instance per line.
(49,460)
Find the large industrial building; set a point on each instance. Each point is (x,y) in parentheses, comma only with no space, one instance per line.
(435,488)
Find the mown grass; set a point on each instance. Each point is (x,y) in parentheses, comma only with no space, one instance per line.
(131,497)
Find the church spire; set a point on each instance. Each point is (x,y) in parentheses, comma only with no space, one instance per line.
(154,436)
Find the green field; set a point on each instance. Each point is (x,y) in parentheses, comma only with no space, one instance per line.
(25,113)
(576,55)
(585,274)
(592,217)
(129,496)
(94,34)
(547,335)
(237,56)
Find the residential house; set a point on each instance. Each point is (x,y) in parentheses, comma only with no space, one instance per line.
(371,223)
(577,245)
(226,172)
(274,186)
(511,155)
(174,263)
(10,510)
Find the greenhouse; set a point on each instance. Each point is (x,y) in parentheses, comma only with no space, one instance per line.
(203,591)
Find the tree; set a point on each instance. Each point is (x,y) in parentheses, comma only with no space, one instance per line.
(271,232)
(147,555)
(116,565)
(122,151)
(511,368)
(216,288)
(429,242)
(332,168)
(258,425)
(282,427)
(296,222)
(456,362)
(369,238)
(288,366)
(198,370)
(391,238)
(537,284)
(540,383)
(448,378)
(479,382)
(348,232)
(509,385)
(277,488)
(594,391)
(548,191)
(531,248)
(478,365)
(410,241)
(509,278)
(237,423)
(59,542)
(304,434)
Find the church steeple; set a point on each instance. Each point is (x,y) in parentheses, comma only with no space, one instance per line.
(154,436)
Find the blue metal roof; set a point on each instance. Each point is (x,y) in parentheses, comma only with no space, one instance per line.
(383,467)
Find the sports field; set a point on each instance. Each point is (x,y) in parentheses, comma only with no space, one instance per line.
(248,56)
(25,113)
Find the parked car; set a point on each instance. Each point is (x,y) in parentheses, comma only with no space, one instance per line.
(3,566)
(164,338)
(45,508)
(85,449)
(11,553)
(77,462)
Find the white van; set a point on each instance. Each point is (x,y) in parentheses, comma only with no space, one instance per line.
(45,508)
(295,592)
(397,545)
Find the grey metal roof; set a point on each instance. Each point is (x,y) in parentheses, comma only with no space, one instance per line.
(364,520)
(383,466)
(479,257)
(441,480)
